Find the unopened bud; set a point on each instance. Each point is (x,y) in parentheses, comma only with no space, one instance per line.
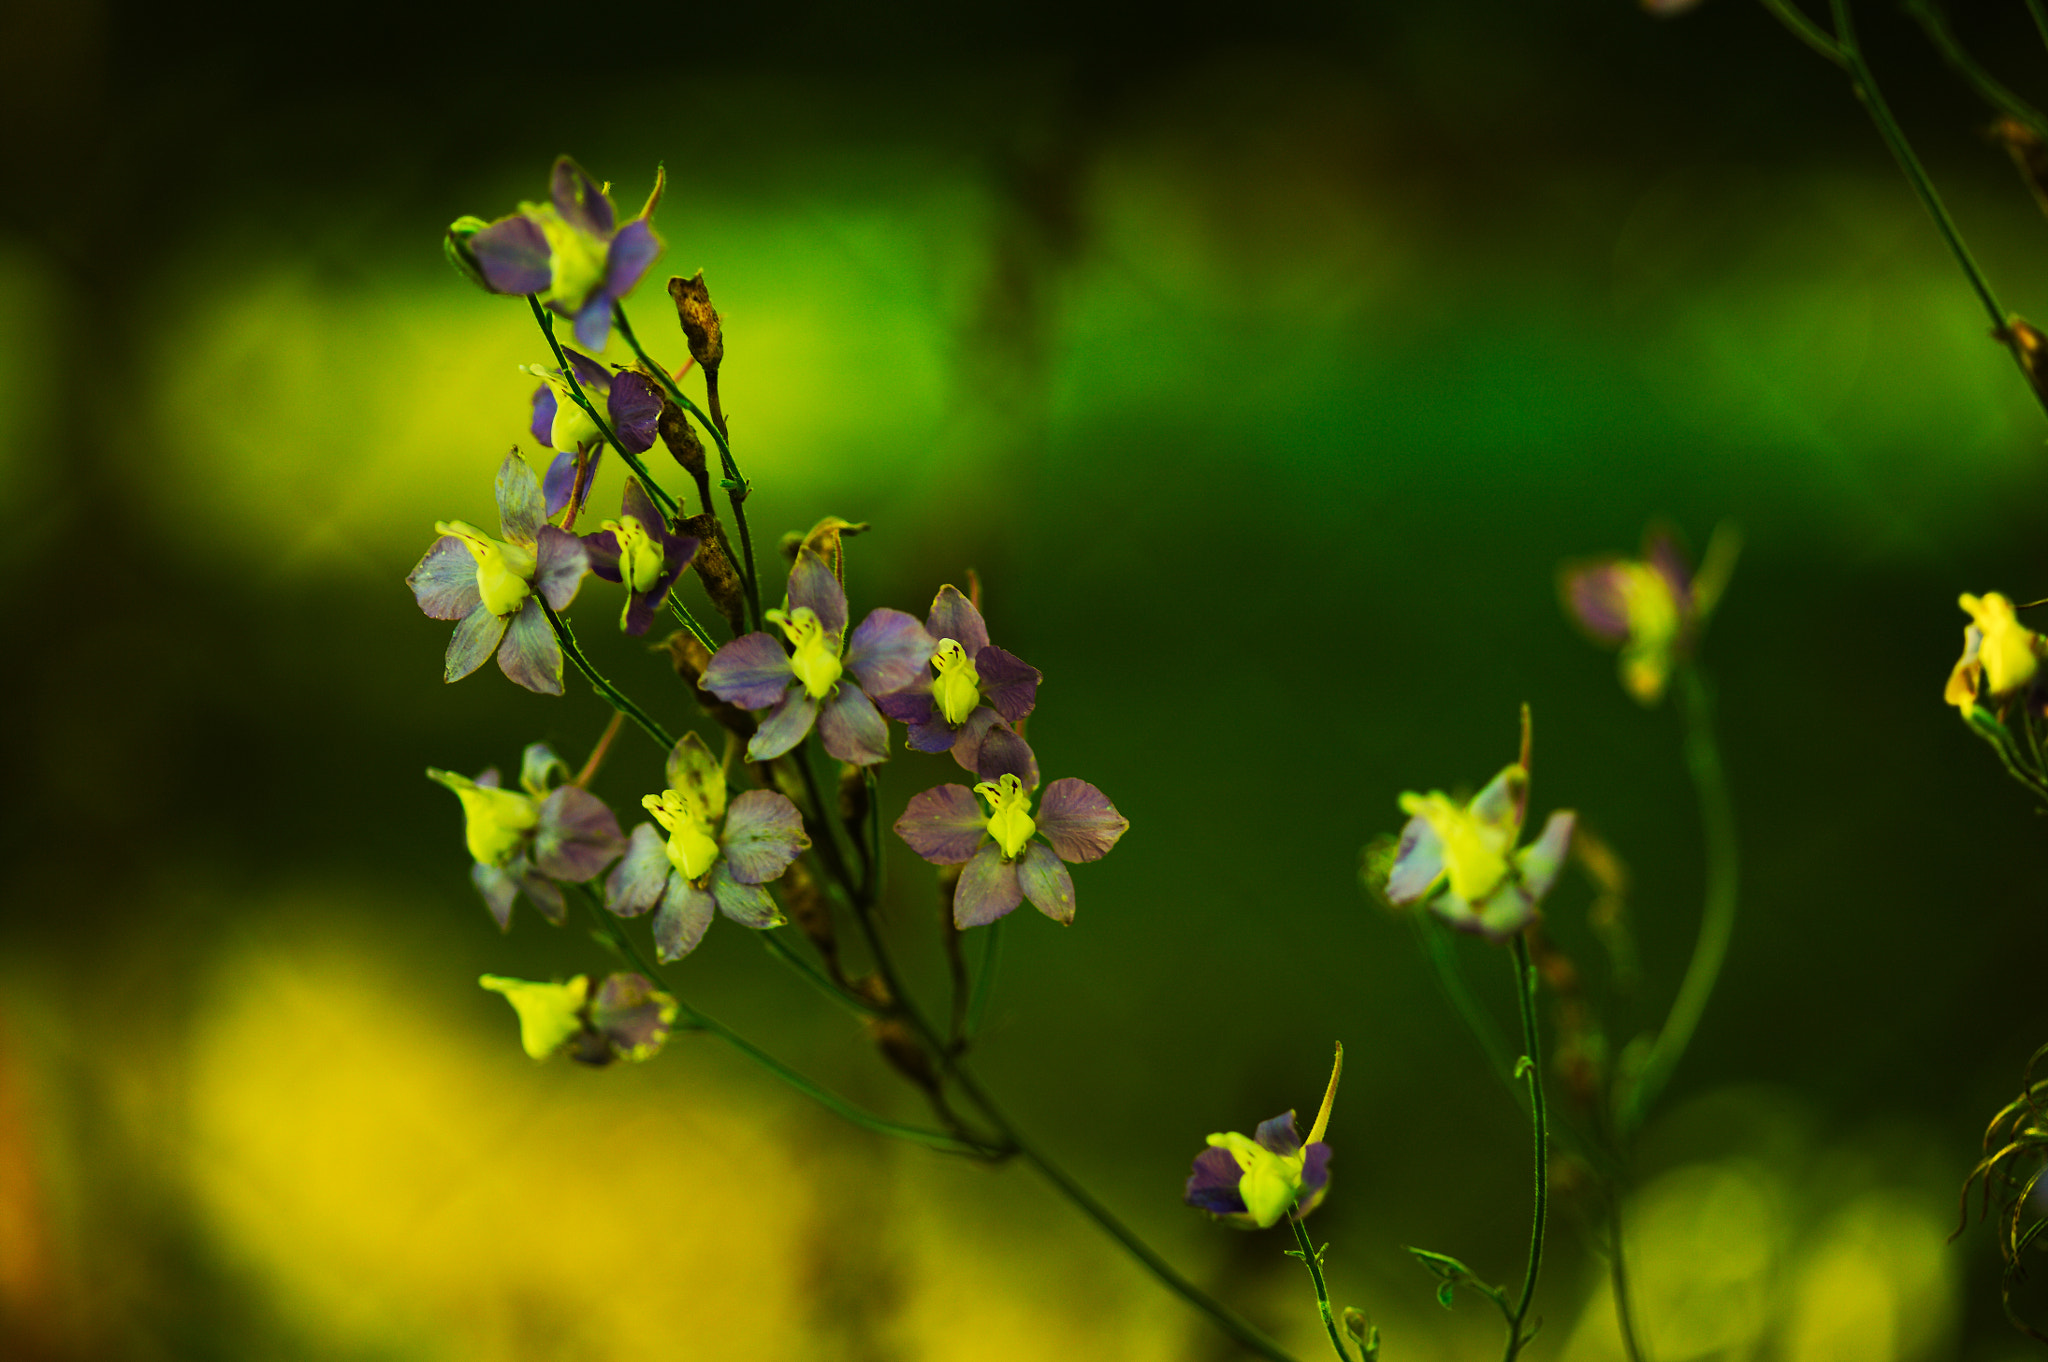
(455,245)
(2030,347)
(699,319)
(680,436)
(2029,155)
(903,1052)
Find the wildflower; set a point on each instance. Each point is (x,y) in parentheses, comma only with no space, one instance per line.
(632,408)
(626,1018)
(692,865)
(496,586)
(1487,886)
(1652,608)
(1008,854)
(971,685)
(640,551)
(570,253)
(2000,657)
(526,840)
(1252,1182)
(824,677)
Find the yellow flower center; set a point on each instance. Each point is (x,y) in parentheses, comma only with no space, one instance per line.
(691,848)
(1271,1182)
(573,427)
(576,257)
(1475,852)
(816,659)
(639,552)
(2008,650)
(958,687)
(1009,819)
(504,572)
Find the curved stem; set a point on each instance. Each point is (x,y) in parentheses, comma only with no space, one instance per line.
(1805,30)
(2040,19)
(660,494)
(1308,1254)
(780,950)
(1531,1066)
(1617,1266)
(1717,918)
(618,699)
(984,980)
(1935,24)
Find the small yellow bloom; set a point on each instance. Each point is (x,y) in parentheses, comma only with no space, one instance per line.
(2000,655)
(957,688)
(692,849)
(1009,819)
(504,572)
(815,660)
(495,821)
(549,1014)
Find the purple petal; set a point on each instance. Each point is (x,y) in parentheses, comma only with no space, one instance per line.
(1594,596)
(812,584)
(1539,863)
(888,651)
(579,199)
(601,553)
(968,738)
(634,407)
(543,425)
(1079,820)
(444,583)
(641,608)
(1504,801)
(911,705)
(1418,862)
(591,376)
(559,483)
(954,616)
(633,250)
(752,672)
(476,638)
(594,321)
(513,255)
(763,834)
(545,896)
(522,510)
(636,882)
(530,655)
(634,1016)
(747,904)
(943,825)
(1315,1171)
(685,912)
(1212,1187)
(934,734)
(577,836)
(1279,1134)
(784,727)
(500,888)
(851,729)
(1661,551)
(1008,683)
(637,504)
(988,889)
(1044,879)
(559,565)
(1003,753)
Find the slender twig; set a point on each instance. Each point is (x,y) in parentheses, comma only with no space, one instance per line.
(660,494)
(984,979)
(597,753)
(1531,1067)
(1617,1267)
(2040,14)
(1307,1253)
(778,948)
(1935,24)
(689,621)
(1805,30)
(618,699)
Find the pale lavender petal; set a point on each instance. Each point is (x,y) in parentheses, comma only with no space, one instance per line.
(513,255)
(1079,820)
(577,836)
(967,739)
(559,484)
(987,890)
(1504,912)
(943,825)
(444,583)
(476,638)
(693,771)
(559,565)
(633,250)
(636,882)
(601,553)
(1279,1134)
(1504,802)
(763,834)
(685,912)
(1003,753)
(634,407)
(543,425)
(490,779)
(747,904)
(1540,862)
(888,651)
(633,1015)
(1212,1187)
(500,888)
(530,655)
(545,896)
(1044,879)
(1418,862)
(954,616)
(812,584)
(1594,596)
(784,727)
(522,510)
(911,705)
(593,325)
(637,504)
(579,199)
(1455,912)
(851,729)
(1315,1171)
(1008,683)
(752,672)
(934,734)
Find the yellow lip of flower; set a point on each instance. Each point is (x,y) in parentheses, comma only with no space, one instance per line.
(504,572)
(1009,820)
(495,821)
(1475,849)
(1272,1183)
(640,556)
(957,688)
(549,1014)
(692,850)
(816,659)
(2007,650)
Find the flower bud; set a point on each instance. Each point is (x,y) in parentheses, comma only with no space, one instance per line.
(2029,155)
(699,319)
(676,431)
(2027,345)
(903,1052)
(455,245)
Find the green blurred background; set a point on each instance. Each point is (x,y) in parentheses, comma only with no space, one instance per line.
(1265,365)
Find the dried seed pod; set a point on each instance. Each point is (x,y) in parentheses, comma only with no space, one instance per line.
(677,432)
(904,1054)
(811,911)
(690,658)
(721,579)
(699,319)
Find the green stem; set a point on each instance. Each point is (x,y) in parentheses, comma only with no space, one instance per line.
(1624,1306)
(772,939)
(1436,943)
(1532,1069)
(984,979)
(2040,14)
(689,622)
(1935,24)
(1717,918)
(1309,1255)
(660,494)
(1805,30)
(618,698)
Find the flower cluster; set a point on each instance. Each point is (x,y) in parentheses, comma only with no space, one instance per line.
(1652,608)
(625,1017)
(533,839)
(2001,657)
(1251,1181)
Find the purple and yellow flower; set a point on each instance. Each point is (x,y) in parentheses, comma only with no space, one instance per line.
(821,676)
(1652,607)
(971,685)
(692,865)
(1251,1182)
(526,840)
(2001,656)
(632,408)
(569,252)
(627,1017)
(1007,854)
(495,586)
(641,552)
(1462,858)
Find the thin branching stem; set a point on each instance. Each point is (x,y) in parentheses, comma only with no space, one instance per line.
(1307,1253)
(1987,86)
(617,698)
(660,494)
(1531,1067)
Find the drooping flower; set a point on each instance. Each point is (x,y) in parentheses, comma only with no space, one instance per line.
(626,1018)
(1652,607)
(526,840)
(569,252)
(970,684)
(692,864)
(2001,656)
(1252,1182)
(632,408)
(641,552)
(496,586)
(1462,858)
(821,676)
(1008,854)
